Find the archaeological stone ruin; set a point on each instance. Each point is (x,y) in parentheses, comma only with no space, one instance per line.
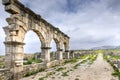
(21,20)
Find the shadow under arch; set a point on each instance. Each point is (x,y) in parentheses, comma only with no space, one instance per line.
(64,46)
(54,44)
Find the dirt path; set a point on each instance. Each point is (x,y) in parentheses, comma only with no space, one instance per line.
(99,70)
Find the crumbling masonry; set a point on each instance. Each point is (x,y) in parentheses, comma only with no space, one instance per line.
(22,20)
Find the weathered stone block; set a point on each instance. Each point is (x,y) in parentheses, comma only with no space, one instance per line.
(12,9)
(118,63)
(5,2)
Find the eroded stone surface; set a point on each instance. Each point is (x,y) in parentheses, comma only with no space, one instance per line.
(22,20)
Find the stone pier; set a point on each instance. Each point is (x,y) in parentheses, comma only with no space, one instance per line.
(21,21)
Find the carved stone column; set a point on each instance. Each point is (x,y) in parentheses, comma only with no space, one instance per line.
(73,55)
(67,54)
(60,55)
(118,64)
(14,48)
(14,58)
(45,54)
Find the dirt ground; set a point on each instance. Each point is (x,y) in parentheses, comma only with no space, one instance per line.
(99,70)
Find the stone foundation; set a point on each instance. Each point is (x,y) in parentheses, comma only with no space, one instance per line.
(5,74)
(32,68)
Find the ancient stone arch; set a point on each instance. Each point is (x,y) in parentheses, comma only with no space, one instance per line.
(22,20)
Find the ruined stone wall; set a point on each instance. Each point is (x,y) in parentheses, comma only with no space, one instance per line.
(54,63)
(78,53)
(5,74)
(32,68)
(22,20)
(28,56)
(113,54)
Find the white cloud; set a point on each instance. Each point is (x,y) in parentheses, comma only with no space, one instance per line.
(32,43)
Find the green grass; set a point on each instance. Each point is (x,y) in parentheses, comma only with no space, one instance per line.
(76,78)
(91,58)
(32,60)
(64,74)
(116,70)
(82,62)
(29,73)
(70,61)
(60,69)
(117,74)
(74,60)
(47,75)
(41,69)
(115,57)
(42,78)
(84,56)
(99,51)
(2,65)
(0,77)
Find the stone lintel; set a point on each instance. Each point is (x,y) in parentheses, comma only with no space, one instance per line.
(18,5)
(60,49)
(11,29)
(66,50)
(12,9)
(13,43)
(45,47)
(27,10)
(6,2)
(5,69)
(6,28)
(54,28)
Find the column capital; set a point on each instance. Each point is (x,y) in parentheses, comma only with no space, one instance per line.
(67,50)
(60,49)
(13,43)
(6,2)
(45,47)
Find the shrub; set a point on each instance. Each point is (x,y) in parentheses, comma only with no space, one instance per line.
(77,79)
(34,72)
(49,74)
(38,61)
(64,74)
(29,62)
(2,65)
(42,78)
(32,60)
(60,69)
(41,69)
(70,61)
(116,70)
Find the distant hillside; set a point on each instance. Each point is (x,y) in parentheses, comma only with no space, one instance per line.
(118,47)
(106,47)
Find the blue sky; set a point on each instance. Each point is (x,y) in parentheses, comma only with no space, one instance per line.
(89,23)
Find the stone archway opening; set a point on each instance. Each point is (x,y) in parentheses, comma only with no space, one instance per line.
(64,55)
(32,42)
(32,48)
(53,52)
(22,20)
